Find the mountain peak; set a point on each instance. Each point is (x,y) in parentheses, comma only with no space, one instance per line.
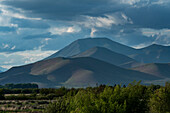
(95,38)
(82,45)
(156,46)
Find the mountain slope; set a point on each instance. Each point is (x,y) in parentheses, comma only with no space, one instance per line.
(82,45)
(153,54)
(72,72)
(109,57)
(159,70)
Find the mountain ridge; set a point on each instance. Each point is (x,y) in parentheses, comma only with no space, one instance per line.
(82,45)
(109,56)
(151,54)
(72,72)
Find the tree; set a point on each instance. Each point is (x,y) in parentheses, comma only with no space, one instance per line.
(160,100)
(1,94)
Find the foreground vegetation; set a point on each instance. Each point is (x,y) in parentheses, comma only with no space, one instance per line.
(135,98)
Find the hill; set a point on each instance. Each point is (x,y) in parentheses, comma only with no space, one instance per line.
(109,57)
(72,72)
(159,70)
(153,54)
(82,45)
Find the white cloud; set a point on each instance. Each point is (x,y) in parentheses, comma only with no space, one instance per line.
(13,47)
(62,30)
(131,2)
(5,46)
(99,21)
(152,32)
(106,21)
(9,13)
(8,60)
(93,30)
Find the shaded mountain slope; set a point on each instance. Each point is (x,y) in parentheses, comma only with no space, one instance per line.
(76,72)
(153,54)
(159,70)
(82,45)
(109,57)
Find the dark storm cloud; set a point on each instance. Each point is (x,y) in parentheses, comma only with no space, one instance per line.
(144,13)
(66,9)
(25,23)
(152,16)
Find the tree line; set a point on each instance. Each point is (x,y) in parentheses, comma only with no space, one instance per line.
(19,86)
(134,98)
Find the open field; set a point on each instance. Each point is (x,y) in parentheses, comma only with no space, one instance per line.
(33,106)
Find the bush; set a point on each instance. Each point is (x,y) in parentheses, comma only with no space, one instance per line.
(160,100)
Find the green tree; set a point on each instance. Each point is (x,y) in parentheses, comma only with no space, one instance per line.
(1,94)
(160,100)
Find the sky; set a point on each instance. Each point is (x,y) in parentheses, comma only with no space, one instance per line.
(31,30)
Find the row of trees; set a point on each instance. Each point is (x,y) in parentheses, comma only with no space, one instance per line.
(33,94)
(19,86)
(135,98)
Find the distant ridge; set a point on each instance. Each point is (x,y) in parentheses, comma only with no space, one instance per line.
(109,57)
(159,70)
(153,54)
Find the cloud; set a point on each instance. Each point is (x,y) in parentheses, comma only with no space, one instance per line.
(14,12)
(4,29)
(51,25)
(142,13)
(45,35)
(9,60)
(65,9)
(60,31)
(25,23)
(150,16)
(93,30)
(107,21)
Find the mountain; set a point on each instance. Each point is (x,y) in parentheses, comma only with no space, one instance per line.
(153,54)
(72,72)
(159,70)
(82,45)
(109,57)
